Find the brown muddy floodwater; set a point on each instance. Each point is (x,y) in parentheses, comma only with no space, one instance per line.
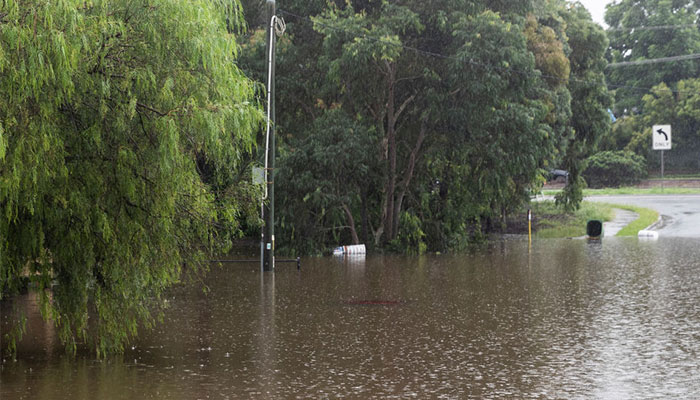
(570,319)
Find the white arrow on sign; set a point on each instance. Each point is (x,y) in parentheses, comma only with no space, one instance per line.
(661,137)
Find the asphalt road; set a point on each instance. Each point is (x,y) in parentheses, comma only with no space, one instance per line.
(680,214)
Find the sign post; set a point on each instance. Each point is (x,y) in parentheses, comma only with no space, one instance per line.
(661,140)
(529,228)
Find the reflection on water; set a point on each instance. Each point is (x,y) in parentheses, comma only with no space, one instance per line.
(570,319)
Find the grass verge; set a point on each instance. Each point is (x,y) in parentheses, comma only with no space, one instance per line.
(646,218)
(656,177)
(629,190)
(552,222)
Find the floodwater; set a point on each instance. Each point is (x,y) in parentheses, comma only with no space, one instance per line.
(569,319)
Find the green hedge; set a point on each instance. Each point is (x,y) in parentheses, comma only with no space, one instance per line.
(614,169)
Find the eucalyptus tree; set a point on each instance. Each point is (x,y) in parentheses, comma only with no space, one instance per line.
(122,123)
(498,138)
(325,177)
(590,98)
(377,80)
(548,42)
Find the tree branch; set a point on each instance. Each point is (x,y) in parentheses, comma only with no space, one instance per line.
(403,106)
(351,221)
(407,78)
(151,109)
(408,174)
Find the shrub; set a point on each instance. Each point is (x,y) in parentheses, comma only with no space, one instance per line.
(410,237)
(614,169)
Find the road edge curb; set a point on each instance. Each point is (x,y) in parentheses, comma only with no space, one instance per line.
(654,225)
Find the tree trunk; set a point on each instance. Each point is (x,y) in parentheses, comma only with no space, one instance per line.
(351,223)
(391,162)
(408,174)
(365,217)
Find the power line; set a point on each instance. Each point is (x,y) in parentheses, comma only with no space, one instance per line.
(654,60)
(652,28)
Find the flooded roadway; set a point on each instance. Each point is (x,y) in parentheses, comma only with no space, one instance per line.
(570,319)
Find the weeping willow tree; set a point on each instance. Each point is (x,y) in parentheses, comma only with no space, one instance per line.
(123,125)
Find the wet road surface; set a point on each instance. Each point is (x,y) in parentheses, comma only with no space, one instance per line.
(680,213)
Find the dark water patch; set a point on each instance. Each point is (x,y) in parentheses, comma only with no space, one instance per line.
(374,302)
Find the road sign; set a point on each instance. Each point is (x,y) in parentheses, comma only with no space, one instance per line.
(661,137)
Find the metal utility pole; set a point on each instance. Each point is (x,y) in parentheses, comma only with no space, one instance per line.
(267,245)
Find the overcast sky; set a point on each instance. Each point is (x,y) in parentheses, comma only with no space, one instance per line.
(597,9)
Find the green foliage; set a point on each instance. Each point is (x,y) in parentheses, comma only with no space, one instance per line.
(548,50)
(621,135)
(628,44)
(590,99)
(663,106)
(499,137)
(120,124)
(680,110)
(375,81)
(547,39)
(322,177)
(456,134)
(673,97)
(571,196)
(410,237)
(614,169)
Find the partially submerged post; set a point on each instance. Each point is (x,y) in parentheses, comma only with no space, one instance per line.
(529,227)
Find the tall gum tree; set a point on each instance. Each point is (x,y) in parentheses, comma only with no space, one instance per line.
(547,40)
(365,58)
(121,123)
(590,98)
(498,136)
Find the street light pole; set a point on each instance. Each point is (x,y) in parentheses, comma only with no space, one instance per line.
(267,245)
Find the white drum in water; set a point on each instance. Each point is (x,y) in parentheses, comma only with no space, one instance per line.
(648,234)
(352,249)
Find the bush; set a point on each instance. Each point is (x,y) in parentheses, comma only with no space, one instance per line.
(614,169)
(410,237)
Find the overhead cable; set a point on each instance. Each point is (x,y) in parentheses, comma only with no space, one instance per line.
(654,60)
(652,28)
